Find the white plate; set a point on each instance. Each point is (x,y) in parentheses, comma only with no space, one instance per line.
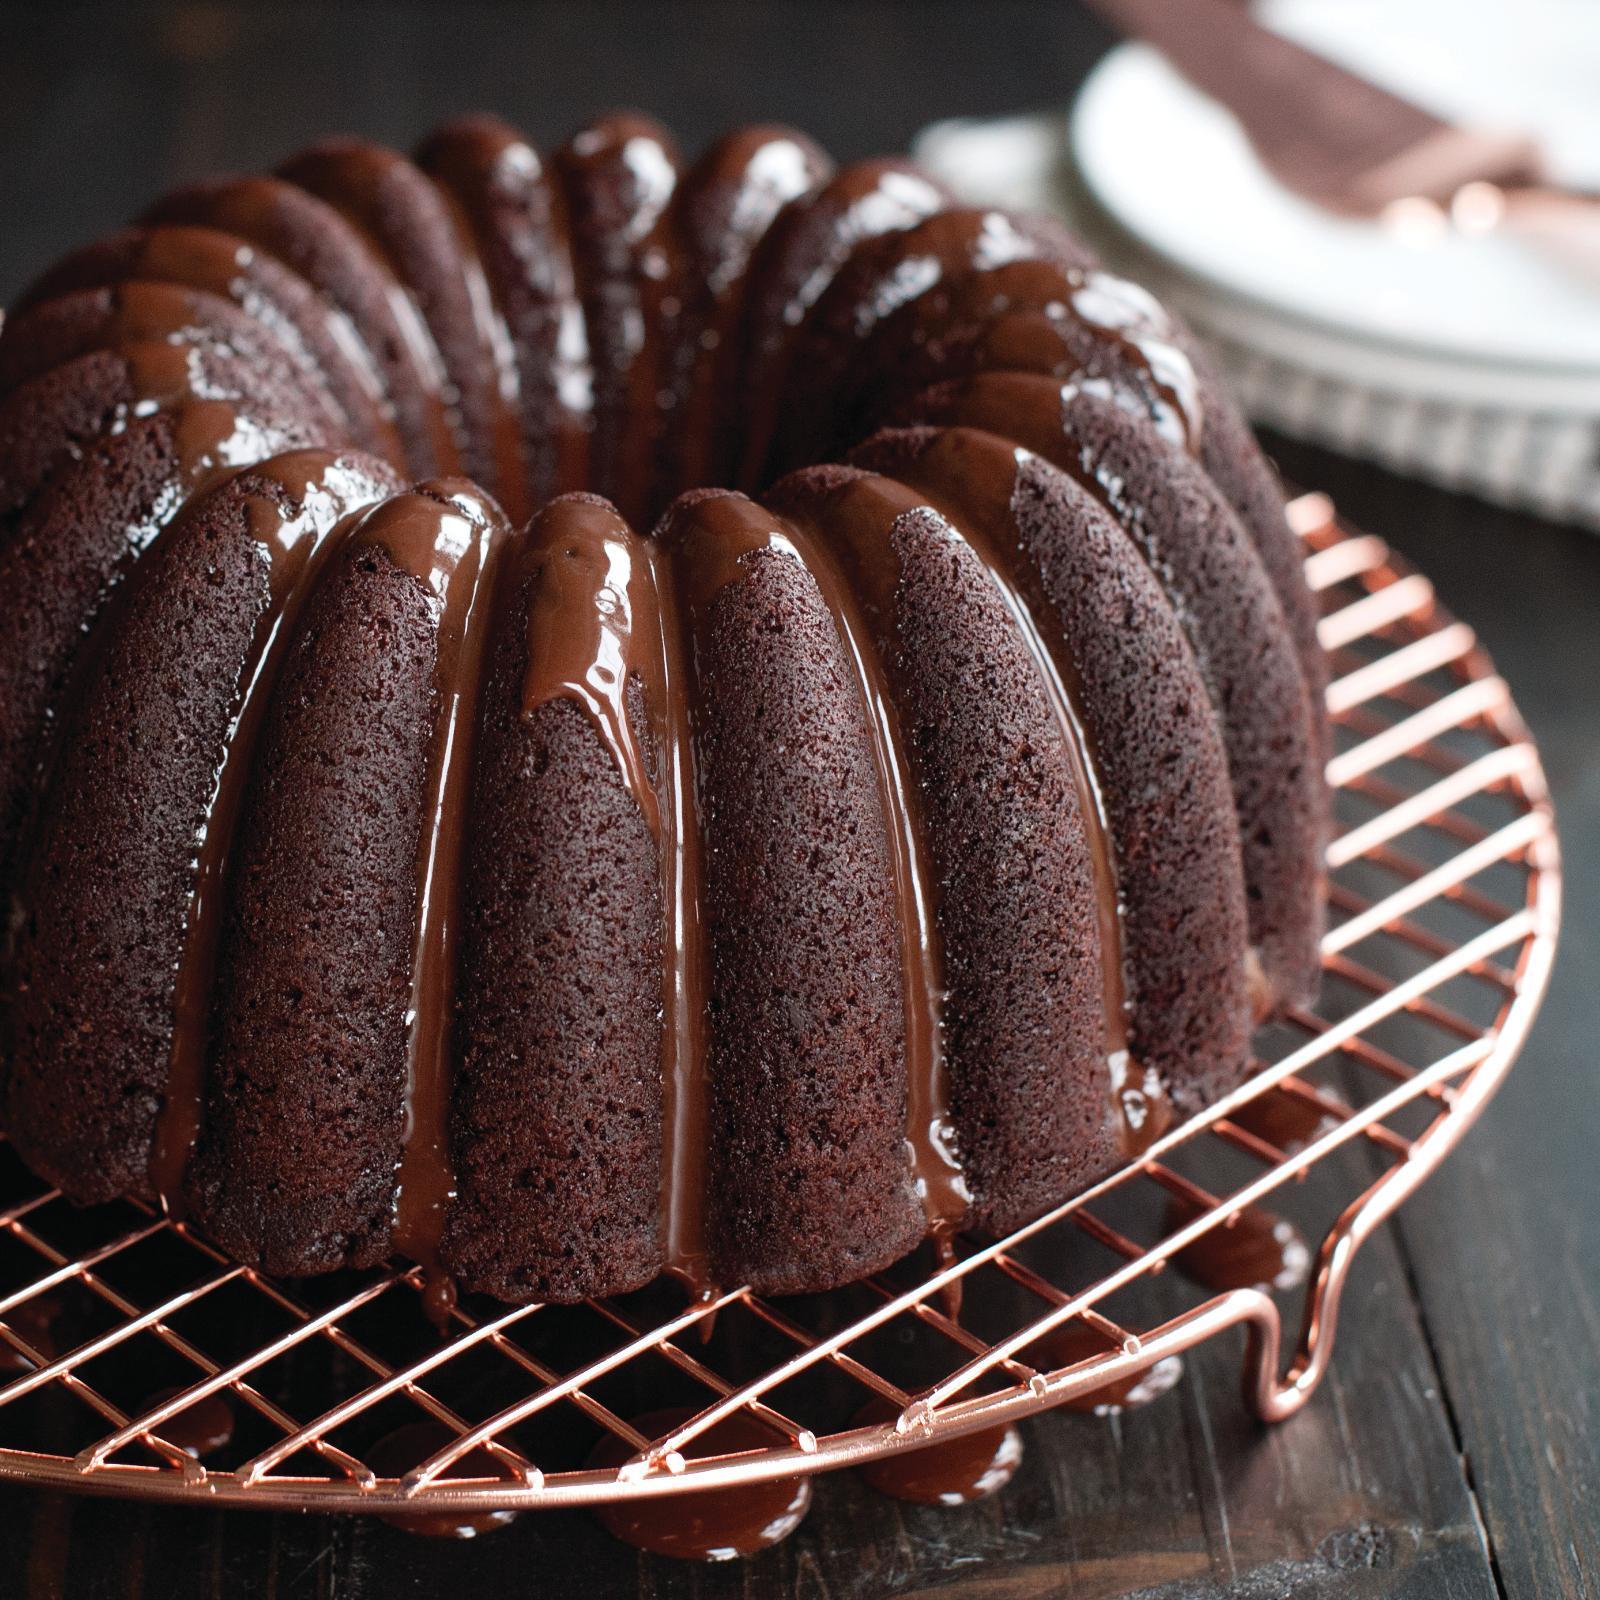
(1173,168)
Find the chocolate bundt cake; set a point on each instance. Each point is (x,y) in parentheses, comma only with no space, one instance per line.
(569,719)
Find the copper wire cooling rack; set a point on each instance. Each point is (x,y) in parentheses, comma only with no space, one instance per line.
(116,1325)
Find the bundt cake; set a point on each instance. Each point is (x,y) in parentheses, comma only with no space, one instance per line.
(569,719)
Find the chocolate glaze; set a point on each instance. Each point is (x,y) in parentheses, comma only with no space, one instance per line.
(318,242)
(1039,315)
(981,514)
(48,423)
(1253,1249)
(883,283)
(686,992)
(32,1322)
(593,628)
(708,1524)
(518,216)
(808,242)
(606,616)
(852,556)
(1053,311)
(397,1453)
(788,1123)
(619,176)
(1162,787)
(1206,563)
(175,341)
(949,1472)
(300,502)
(1283,1119)
(199,1430)
(1078,1341)
(722,209)
(445,533)
(315,332)
(449,300)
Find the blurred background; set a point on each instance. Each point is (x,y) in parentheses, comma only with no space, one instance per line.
(1463,350)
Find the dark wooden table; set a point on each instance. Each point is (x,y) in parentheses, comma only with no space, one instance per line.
(1455,1448)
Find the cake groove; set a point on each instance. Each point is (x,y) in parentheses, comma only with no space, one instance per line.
(445,535)
(940,1185)
(300,527)
(1064,692)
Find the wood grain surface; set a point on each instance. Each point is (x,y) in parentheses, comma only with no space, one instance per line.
(1454,1450)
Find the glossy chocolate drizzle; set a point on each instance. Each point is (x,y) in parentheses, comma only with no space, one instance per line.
(200,1429)
(1251,1249)
(398,1453)
(32,1322)
(446,534)
(592,630)
(970,478)
(1285,1120)
(1078,325)
(936,1171)
(307,325)
(605,615)
(725,530)
(321,489)
(1124,314)
(946,1472)
(705,1524)
(621,175)
(1078,1341)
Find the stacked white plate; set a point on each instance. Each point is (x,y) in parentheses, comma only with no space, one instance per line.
(1470,359)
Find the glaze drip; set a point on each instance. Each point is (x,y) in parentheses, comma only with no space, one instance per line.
(355,179)
(946,1472)
(689,571)
(686,992)
(592,629)
(446,535)
(1078,1341)
(971,479)
(504,385)
(708,1524)
(603,617)
(297,527)
(1122,313)
(854,564)
(397,1453)
(200,1429)
(1251,1249)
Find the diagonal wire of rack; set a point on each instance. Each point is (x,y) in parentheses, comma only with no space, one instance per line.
(1444,888)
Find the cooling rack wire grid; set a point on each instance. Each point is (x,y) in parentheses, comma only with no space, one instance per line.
(116,1325)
